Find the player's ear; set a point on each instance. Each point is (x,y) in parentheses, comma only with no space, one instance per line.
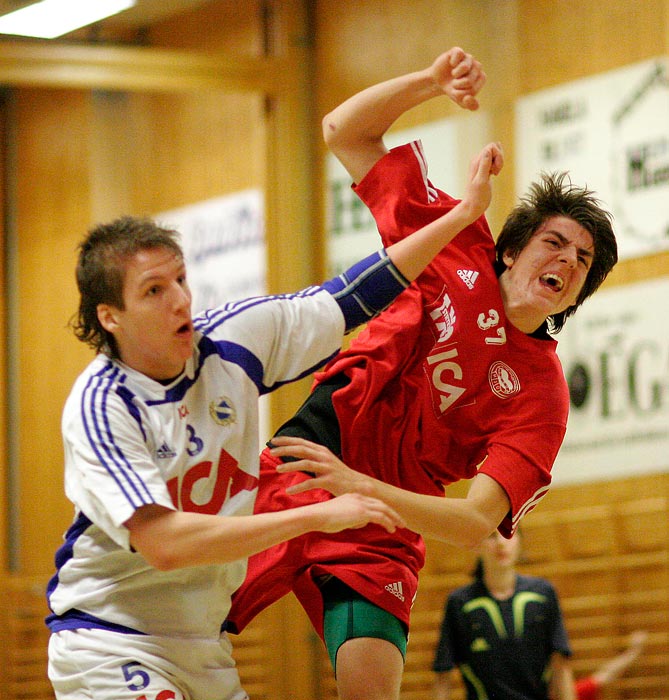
(508,259)
(108,317)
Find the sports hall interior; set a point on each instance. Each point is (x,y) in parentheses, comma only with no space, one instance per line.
(222,96)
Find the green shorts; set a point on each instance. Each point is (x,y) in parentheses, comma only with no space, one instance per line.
(347,615)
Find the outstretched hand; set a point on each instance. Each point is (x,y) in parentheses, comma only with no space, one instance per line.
(353,511)
(355,505)
(478,192)
(329,472)
(460,76)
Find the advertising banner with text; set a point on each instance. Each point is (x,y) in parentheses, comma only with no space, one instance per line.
(615,355)
(224,243)
(611,132)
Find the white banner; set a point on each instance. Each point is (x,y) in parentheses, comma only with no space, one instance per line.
(615,354)
(223,240)
(449,145)
(611,132)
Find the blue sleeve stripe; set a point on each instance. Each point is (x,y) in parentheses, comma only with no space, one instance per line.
(367,288)
(103,442)
(212,318)
(267,389)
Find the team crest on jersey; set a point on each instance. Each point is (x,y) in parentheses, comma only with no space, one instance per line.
(503,380)
(222,411)
(444,319)
(480,644)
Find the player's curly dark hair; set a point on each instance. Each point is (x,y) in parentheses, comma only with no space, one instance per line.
(555,195)
(100,272)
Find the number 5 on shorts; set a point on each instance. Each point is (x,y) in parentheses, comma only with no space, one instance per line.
(138,679)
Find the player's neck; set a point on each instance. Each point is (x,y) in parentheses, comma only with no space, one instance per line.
(501,584)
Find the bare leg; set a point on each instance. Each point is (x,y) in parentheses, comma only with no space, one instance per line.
(369,669)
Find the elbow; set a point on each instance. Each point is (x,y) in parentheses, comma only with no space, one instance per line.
(163,559)
(157,554)
(475,535)
(330,130)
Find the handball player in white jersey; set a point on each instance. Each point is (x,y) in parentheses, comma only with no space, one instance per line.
(161,452)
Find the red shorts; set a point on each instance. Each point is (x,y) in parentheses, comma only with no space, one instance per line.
(380,566)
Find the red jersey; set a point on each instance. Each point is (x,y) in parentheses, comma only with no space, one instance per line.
(442,377)
(438,383)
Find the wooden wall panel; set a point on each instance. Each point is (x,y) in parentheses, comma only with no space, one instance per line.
(4,118)
(235,27)
(52,211)
(187,148)
(567,40)
(23,654)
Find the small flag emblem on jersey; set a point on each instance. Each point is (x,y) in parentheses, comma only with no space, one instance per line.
(222,411)
(396,590)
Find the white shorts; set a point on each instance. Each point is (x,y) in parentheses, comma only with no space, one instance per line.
(93,664)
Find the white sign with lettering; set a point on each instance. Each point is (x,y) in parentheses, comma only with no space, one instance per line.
(615,354)
(223,240)
(611,132)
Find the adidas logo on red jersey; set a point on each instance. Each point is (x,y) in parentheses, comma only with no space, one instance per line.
(469,277)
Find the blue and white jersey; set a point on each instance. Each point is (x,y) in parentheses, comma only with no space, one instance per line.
(191,445)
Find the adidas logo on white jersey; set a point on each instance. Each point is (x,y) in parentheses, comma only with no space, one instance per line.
(469,277)
(396,590)
(165,452)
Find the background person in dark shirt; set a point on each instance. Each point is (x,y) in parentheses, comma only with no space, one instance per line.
(504,632)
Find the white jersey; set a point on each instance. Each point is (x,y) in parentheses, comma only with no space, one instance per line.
(191,445)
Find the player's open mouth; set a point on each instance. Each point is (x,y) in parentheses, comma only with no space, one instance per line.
(553,281)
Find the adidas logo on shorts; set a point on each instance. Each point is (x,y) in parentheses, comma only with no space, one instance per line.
(396,590)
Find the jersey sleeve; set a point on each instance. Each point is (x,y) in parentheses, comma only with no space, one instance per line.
(444,656)
(521,465)
(399,195)
(559,638)
(276,339)
(109,472)
(526,436)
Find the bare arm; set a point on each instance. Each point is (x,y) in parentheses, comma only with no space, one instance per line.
(461,521)
(442,686)
(354,130)
(171,539)
(614,668)
(562,679)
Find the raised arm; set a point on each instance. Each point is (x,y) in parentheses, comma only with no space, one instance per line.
(354,130)
(376,281)
(614,668)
